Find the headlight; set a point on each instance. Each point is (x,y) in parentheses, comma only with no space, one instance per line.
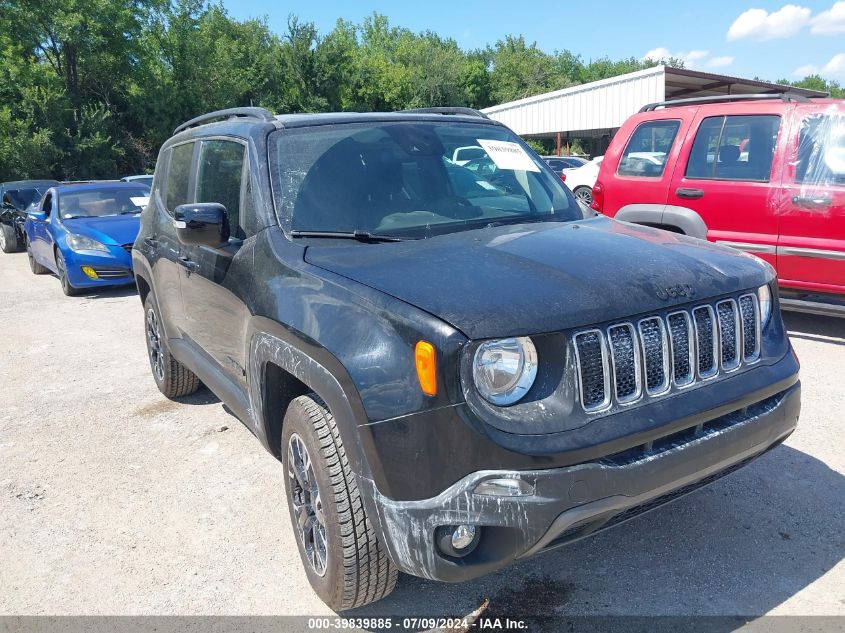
(764,298)
(83,243)
(504,370)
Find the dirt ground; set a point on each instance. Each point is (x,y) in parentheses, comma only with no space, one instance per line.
(114,500)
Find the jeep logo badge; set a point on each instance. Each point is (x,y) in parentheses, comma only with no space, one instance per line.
(673,292)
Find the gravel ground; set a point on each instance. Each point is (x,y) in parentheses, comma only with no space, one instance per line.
(114,500)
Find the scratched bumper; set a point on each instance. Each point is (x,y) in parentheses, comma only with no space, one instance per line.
(570,503)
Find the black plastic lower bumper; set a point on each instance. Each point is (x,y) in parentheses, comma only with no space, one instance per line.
(564,504)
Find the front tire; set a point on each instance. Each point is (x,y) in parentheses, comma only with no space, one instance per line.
(172,378)
(34,266)
(344,561)
(67,288)
(584,194)
(8,238)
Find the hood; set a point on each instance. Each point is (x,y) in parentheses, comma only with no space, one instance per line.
(535,278)
(112,229)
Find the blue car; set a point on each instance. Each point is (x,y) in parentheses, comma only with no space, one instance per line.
(84,233)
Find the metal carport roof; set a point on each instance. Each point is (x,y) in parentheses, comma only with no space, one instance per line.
(604,105)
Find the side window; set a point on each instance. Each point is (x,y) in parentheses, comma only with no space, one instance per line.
(646,152)
(47,207)
(179,176)
(221,167)
(821,150)
(734,148)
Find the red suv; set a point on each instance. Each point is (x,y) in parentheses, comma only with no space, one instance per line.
(762,173)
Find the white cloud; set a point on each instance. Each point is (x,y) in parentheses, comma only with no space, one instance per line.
(721,61)
(690,58)
(836,65)
(834,68)
(759,24)
(806,69)
(830,22)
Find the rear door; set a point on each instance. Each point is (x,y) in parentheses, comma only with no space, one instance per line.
(640,171)
(215,280)
(728,171)
(811,247)
(162,246)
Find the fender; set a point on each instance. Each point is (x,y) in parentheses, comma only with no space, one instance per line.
(684,218)
(318,370)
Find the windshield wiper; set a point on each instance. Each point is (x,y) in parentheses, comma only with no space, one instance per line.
(361,236)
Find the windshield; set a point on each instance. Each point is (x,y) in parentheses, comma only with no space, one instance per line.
(103,202)
(22,198)
(403,179)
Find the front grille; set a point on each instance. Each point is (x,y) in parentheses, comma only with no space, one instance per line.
(111,273)
(624,362)
(592,367)
(728,333)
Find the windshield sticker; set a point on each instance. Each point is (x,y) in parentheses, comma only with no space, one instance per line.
(508,155)
(140,201)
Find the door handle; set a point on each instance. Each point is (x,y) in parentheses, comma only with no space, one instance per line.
(188,263)
(689,194)
(812,202)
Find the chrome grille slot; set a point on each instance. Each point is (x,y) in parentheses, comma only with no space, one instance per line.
(750,319)
(630,362)
(594,377)
(705,334)
(681,338)
(625,357)
(655,355)
(728,333)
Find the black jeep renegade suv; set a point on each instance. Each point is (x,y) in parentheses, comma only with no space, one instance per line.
(455,367)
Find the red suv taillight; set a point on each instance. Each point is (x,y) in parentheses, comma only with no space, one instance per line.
(598,197)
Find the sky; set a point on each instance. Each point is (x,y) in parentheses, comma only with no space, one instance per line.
(770,40)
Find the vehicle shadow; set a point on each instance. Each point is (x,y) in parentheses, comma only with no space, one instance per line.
(813,327)
(739,547)
(112,292)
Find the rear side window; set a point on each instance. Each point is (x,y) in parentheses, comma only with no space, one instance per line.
(221,166)
(821,150)
(179,176)
(734,148)
(646,152)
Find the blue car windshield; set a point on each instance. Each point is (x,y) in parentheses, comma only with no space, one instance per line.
(411,179)
(97,203)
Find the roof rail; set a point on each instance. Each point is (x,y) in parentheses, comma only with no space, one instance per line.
(230,113)
(783,96)
(449,110)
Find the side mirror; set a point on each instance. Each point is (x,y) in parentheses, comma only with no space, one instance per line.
(202,224)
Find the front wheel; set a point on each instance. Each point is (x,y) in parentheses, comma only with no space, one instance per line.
(8,238)
(584,194)
(61,267)
(345,563)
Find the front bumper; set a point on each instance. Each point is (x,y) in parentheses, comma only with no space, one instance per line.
(113,267)
(571,502)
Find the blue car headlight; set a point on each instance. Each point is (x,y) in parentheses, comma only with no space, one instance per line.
(81,243)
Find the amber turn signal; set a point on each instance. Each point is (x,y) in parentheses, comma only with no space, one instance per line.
(424,355)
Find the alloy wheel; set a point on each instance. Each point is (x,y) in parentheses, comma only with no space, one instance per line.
(154,345)
(584,195)
(307,505)
(62,270)
(2,239)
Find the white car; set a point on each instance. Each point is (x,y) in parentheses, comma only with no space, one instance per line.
(580,180)
(462,155)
